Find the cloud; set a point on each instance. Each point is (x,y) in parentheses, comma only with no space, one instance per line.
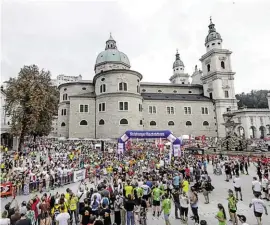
(65,37)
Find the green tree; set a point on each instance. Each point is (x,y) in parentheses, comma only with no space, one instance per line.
(254,99)
(31,101)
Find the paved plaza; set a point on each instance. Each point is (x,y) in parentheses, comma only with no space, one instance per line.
(206,212)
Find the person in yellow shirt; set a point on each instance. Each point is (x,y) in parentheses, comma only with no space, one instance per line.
(185,185)
(67,195)
(73,203)
(128,189)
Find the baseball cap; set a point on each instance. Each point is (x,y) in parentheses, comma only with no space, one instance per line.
(242,218)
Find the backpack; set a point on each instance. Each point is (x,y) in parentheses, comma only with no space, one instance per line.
(105,201)
(208,186)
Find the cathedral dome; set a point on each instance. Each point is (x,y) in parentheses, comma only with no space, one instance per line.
(112,54)
(178,62)
(212,33)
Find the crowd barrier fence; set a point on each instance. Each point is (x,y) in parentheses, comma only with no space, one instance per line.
(8,189)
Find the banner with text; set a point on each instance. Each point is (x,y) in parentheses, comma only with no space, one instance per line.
(79,175)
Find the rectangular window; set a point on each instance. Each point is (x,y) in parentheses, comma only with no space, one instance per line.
(187,110)
(102,107)
(140,108)
(152,110)
(226,93)
(141,122)
(81,108)
(123,106)
(211,95)
(204,110)
(84,108)
(170,110)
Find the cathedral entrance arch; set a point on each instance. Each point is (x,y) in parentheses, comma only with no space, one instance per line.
(262,131)
(152,134)
(253,131)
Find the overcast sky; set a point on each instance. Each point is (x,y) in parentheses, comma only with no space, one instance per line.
(66,36)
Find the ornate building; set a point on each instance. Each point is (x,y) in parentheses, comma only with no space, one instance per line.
(117,100)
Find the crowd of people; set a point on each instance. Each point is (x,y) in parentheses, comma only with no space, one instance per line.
(123,189)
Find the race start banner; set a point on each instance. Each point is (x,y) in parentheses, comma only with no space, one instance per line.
(176,143)
(79,175)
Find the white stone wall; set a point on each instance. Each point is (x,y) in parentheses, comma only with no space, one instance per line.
(253,118)
(75,117)
(110,66)
(179,118)
(112,115)
(112,80)
(70,89)
(170,89)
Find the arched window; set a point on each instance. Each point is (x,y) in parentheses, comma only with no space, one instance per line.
(170,123)
(63,124)
(123,122)
(208,67)
(159,91)
(122,86)
(64,97)
(153,123)
(205,123)
(102,88)
(222,65)
(188,123)
(101,122)
(83,123)
(138,89)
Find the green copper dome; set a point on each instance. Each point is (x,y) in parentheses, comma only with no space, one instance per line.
(112,54)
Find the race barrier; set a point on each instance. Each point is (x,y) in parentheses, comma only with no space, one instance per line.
(6,189)
(157,134)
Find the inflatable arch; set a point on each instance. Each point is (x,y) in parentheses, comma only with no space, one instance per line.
(176,143)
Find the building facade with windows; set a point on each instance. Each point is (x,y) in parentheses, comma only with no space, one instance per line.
(117,99)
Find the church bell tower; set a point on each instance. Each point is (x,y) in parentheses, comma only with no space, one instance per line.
(218,77)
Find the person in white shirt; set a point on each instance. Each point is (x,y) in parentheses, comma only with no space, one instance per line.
(63,217)
(184,204)
(258,206)
(4,220)
(256,186)
(237,187)
(265,186)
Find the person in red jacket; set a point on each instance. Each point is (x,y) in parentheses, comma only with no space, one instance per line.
(34,202)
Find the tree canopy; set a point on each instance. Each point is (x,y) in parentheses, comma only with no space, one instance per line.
(254,99)
(32,102)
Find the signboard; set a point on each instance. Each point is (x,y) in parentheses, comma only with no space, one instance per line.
(79,175)
(120,148)
(6,189)
(176,151)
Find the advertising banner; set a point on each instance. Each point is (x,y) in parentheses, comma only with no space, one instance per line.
(176,150)
(120,148)
(6,189)
(79,175)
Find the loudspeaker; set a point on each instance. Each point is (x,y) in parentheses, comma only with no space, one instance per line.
(102,146)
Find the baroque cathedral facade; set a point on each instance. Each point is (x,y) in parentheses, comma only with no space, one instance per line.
(117,99)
